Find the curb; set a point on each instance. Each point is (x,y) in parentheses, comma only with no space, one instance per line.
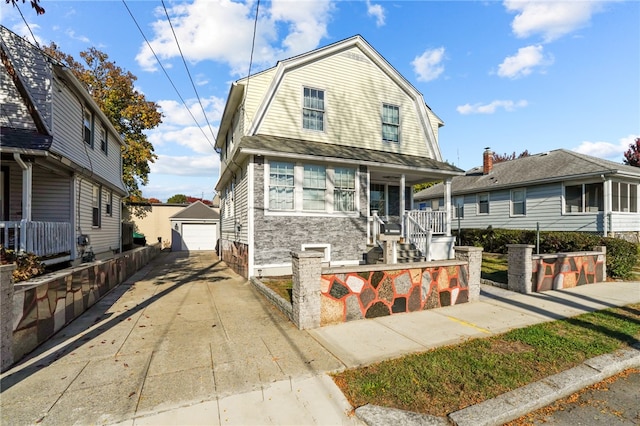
(518,402)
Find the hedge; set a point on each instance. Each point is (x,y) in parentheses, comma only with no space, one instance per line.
(622,255)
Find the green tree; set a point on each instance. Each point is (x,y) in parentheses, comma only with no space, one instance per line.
(420,186)
(177,199)
(632,155)
(129,111)
(499,158)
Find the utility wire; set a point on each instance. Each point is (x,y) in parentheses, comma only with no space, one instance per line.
(253,44)
(167,74)
(27,24)
(187,68)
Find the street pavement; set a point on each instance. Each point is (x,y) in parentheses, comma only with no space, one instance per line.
(187,341)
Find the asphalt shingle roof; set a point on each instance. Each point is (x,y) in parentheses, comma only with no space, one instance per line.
(196,210)
(24,139)
(556,165)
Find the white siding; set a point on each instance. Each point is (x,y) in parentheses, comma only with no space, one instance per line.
(352,105)
(51,200)
(107,237)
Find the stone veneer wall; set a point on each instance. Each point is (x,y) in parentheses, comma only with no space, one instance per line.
(535,273)
(236,256)
(6,315)
(44,305)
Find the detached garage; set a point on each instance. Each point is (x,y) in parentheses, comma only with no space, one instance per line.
(195,228)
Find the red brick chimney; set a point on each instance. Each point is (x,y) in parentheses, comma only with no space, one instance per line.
(487,161)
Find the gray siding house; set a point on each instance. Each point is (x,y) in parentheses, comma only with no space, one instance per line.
(316,153)
(559,190)
(61,174)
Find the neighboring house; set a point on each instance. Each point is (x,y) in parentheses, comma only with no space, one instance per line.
(314,151)
(61,174)
(155,222)
(195,228)
(558,190)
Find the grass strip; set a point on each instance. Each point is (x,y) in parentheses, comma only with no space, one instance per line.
(494,267)
(450,378)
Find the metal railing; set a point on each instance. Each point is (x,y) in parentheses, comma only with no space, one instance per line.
(41,238)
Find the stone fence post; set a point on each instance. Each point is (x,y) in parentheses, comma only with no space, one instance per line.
(6,316)
(520,272)
(473,256)
(603,250)
(306,268)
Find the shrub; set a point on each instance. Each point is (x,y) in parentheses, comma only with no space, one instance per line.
(621,255)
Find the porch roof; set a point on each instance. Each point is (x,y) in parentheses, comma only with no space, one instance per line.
(275,145)
(27,139)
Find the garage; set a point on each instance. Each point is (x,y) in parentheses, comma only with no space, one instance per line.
(199,236)
(195,228)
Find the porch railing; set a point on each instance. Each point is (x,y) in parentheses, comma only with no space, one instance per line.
(416,234)
(434,221)
(41,238)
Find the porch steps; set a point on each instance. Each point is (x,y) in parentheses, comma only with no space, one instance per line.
(407,253)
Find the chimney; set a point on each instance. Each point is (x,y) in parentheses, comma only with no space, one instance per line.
(487,161)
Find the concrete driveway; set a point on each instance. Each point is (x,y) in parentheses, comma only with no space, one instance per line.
(183,332)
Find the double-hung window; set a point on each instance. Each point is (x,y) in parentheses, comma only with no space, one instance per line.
(88,128)
(109,203)
(483,203)
(103,140)
(314,187)
(624,197)
(313,109)
(96,201)
(344,190)
(586,197)
(518,202)
(281,186)
(390,123)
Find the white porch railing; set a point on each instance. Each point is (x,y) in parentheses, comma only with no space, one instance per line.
(434,221)
(41,238)
(416,234)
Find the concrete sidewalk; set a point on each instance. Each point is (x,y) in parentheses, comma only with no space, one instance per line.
(186,341)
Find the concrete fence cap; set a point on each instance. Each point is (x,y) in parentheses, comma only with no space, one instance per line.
(309,254)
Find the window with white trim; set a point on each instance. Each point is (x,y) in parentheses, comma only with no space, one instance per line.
(624,197)
(103,140)
(88,128)
(281,186)
(313,109)
(586,197)
(109,203)
(95,203)
(390,123)
(344,189)
(314,187)
(483,203)
(518,202)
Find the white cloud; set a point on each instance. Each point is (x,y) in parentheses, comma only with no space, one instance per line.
(72,34)
(607,150)
(551,19)
(491,107)
(524,62)
(202,165)
(222,30)
(428,66)
(377,11)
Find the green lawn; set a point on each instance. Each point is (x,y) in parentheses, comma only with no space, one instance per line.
(494,267)
(281,285)
(449,378)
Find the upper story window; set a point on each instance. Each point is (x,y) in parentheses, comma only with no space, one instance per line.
(518,202)
(587,197)
(281,186)
(390,123)
(88,127)
(313,109)
(624,197)
(483,203)
(109,203)
(103,140)
(344,191)
(314,187)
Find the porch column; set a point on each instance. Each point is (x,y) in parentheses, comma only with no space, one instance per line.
(606,213)
(27,179)
(402,183)
(447,203)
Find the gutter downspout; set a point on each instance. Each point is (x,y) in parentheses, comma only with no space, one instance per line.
(27,182)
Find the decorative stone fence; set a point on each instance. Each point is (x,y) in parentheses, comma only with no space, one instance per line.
(535,273)
(42,306)
(323,296)
(6,314)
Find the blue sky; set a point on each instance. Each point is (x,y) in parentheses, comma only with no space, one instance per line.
(513,75)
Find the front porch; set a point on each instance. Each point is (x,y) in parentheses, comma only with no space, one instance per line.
(51,241)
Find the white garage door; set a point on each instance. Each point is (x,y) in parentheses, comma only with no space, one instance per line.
(199,236)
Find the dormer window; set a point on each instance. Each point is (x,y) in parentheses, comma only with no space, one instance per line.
(313,109)
(390,123)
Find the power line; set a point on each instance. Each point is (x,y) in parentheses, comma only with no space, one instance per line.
(187,69)
(253,44)
(27,24)
(167,74)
